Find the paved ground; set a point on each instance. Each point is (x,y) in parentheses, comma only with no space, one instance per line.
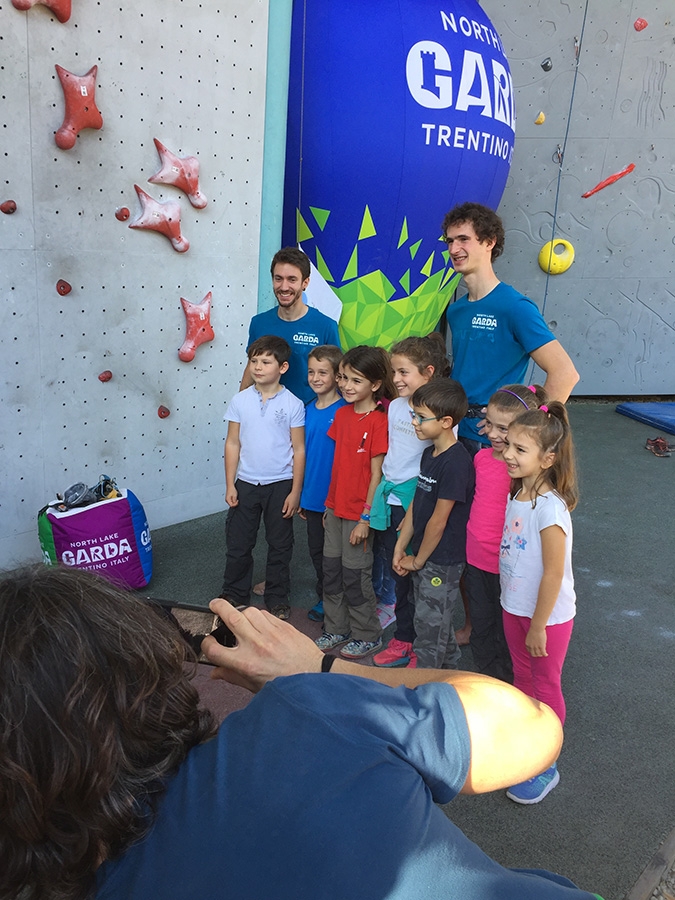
(616,800)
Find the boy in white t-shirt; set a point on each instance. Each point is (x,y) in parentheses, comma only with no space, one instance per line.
(264,469)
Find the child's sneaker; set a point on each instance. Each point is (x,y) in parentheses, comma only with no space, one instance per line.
(395,655)
(316,612)
(328,641)
(535,789)
(358,649)
(386,614)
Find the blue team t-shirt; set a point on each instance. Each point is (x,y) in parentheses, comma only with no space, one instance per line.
(319,452)
(492,339)
(323,787)
(303,335)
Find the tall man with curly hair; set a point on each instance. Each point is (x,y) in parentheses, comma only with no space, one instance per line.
(495,329)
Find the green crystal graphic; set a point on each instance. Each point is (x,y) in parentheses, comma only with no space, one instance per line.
(369,315)
(368,318)
(320,216)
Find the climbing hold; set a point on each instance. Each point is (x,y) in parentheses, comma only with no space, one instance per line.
(162,217)
(81,109)
(8,207)
(60,8)
(640,24)
(163,412)
(182,172)
(122,213)
(63,287)
(610,180)
(541,118)
(554,262)
(198,327)
(105,376)
(547,64)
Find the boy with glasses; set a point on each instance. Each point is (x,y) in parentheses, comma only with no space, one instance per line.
(435,523)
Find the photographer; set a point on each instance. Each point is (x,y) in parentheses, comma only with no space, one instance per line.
(115,784)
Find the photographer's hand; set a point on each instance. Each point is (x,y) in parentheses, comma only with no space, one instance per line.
(267,647)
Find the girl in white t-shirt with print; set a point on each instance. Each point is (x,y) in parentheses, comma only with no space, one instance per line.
(414,362)
(535,564)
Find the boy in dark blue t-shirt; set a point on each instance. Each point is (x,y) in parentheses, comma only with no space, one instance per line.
(435,523)
(322,370)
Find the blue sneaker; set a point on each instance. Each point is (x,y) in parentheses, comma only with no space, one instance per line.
(534,790)
(316,612)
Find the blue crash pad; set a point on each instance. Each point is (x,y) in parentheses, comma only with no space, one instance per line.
(660,415)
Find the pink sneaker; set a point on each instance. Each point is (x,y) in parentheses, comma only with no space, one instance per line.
(395,655)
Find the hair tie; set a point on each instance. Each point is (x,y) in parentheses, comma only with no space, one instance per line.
(513,394)
(544,408)
(532,388)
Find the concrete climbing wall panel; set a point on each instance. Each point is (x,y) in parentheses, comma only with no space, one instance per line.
(609,100)
(192,75)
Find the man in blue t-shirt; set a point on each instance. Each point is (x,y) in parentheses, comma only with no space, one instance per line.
(495,329)
(116,785)
(302,326)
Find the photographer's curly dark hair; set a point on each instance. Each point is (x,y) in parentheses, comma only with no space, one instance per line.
(96,712)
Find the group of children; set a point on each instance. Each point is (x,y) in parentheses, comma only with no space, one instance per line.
(381,478)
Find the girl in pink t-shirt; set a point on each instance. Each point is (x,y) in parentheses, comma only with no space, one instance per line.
(484,531)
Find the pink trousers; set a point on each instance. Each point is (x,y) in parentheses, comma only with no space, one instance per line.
(539,676)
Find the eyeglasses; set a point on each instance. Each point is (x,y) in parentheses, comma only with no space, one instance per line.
(417,418)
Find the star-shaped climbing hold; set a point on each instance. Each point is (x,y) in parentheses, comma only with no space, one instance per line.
(198,327)
(182,172)
(162,217)
(60,8)
(81,109)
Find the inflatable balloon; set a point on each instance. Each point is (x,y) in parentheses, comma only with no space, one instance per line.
(397,112)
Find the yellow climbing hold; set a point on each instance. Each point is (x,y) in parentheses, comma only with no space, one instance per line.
(556,256)
(541,118)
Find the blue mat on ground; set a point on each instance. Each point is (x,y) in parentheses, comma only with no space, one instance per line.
(660,415)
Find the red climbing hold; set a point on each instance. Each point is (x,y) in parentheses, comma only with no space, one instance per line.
(63,287)
(81,109)
(199,329)
(8,207)
(182,172)
(105,376)
(163,412)
(60,8)
(640,24)
(162,217)
(607,181)
(122,213)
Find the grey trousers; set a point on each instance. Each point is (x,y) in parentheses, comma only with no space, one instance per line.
(435,589)
(349,600)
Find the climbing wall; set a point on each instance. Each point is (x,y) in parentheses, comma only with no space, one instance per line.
(603,74)
(192,75)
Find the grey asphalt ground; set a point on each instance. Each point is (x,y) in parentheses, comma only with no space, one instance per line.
(615,803)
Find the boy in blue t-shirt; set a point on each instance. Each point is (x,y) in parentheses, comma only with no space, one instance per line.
(435,522)
(322,369)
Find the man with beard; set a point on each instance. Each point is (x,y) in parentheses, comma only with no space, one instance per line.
(302,326)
